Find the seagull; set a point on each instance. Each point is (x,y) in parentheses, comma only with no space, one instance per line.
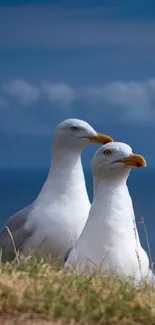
(57,216)
(110,240)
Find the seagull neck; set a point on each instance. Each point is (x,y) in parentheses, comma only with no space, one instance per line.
(67,159)
(110,195)
(108,184)
(66,172)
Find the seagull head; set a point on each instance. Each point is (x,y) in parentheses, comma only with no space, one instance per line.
(75,133)
(116,156)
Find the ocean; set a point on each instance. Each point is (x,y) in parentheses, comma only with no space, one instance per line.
(19,187)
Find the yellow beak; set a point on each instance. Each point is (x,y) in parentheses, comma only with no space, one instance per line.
(134,160)
(101,138)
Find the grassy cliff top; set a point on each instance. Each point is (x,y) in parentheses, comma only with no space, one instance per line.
(35,293)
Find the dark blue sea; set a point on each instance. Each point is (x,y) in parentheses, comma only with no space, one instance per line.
(19,187)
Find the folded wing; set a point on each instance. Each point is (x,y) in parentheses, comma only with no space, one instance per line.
(19,232)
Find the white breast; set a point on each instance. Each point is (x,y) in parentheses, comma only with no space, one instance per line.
(59,212)
(108,238)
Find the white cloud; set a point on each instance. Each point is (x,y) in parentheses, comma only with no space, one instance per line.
(60,94)
(131,102)
(134,99)
(24,92)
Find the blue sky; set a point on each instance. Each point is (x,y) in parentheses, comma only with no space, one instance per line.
(87,59)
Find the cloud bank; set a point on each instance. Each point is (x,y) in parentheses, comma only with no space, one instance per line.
(132,101)
(60,94)
(24,92)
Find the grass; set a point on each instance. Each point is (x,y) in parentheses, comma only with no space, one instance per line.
(34,292)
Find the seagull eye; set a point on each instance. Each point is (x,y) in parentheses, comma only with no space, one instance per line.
(74,128)
(107,152)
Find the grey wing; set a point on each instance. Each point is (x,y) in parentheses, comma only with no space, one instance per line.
(19,232)
(67,254)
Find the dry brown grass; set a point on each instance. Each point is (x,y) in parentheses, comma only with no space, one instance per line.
(33,292)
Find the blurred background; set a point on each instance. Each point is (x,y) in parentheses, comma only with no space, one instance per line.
(87,59)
